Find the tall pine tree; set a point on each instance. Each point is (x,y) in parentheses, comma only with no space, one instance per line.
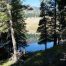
(42,26)
(18,22)
(62,16)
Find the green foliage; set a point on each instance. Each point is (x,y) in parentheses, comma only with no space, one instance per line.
(42,29)
(42,25)
(61,3)
(3,22)
(42,8)
(18,21)
(62,16)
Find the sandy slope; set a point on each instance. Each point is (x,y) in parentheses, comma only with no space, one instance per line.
(32,24)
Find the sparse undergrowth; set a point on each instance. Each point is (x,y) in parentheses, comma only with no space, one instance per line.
(50,57)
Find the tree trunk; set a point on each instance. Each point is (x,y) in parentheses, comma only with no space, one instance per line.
(12,34)
(45,34)
(45,45)
(45,37)
(55,36)
(13,41)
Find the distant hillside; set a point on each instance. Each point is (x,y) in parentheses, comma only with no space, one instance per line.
(34,12)
(32,24)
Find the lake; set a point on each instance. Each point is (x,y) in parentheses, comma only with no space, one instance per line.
(33,47)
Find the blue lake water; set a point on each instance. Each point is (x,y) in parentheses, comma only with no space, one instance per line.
(38,47)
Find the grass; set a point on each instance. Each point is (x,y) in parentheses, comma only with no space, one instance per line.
(6,63)
(45,58)
(50,57)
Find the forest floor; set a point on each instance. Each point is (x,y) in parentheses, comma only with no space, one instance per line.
(51,57)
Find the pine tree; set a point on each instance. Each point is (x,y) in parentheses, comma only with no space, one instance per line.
(61,6)
(16,25)
(18,22)
(61,16)
(42,26)
(55,24)
(12,32)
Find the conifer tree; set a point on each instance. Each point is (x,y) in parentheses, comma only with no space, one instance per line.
(61,16)
(42,26)
(18,22)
